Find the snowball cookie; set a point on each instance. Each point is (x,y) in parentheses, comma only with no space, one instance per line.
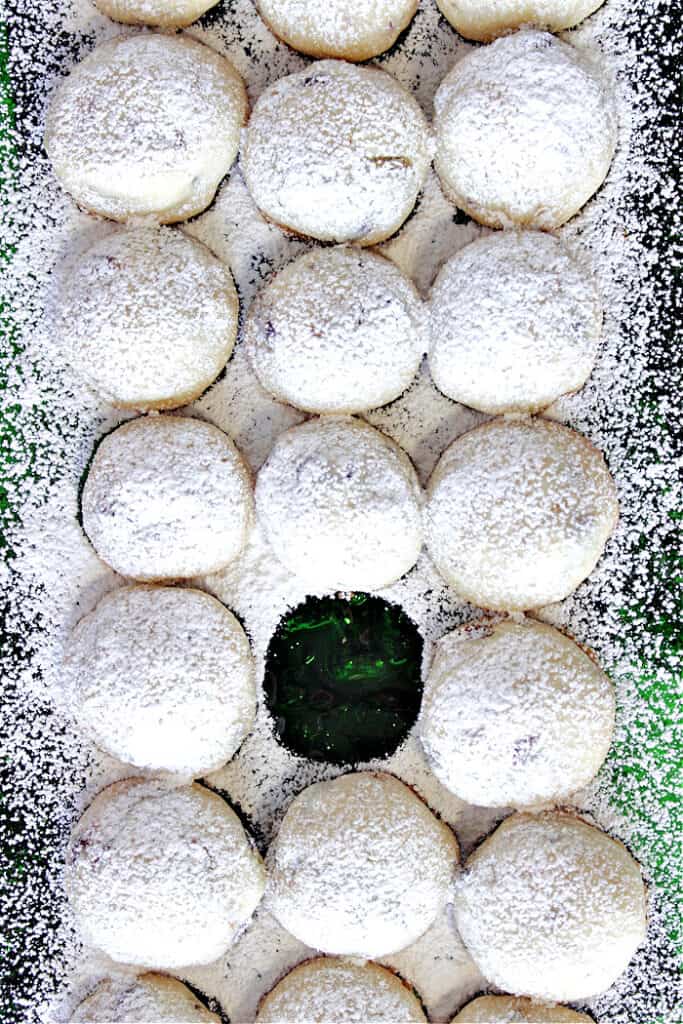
(509,1010)
(164,13)
(146,125)
(483,20)
(167,497)
(149,318)
(360,866)
(338,330)
(161,877)
(162,678)
(337,152)
(550,907)
(519,512)
(340,992)
(526,131)
(514,714)
(146,999)
(515,323)
(341,505)
(336,28)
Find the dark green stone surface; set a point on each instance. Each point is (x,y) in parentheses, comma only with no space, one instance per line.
(343,678)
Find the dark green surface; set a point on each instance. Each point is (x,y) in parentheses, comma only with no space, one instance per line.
(342,678)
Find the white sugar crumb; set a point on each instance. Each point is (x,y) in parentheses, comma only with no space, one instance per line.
(54,577)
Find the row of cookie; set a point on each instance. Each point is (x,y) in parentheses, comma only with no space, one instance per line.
(333,29)
(517,511)
(513,713)
(149,125)
(149,318)
(337,991)
(360,866)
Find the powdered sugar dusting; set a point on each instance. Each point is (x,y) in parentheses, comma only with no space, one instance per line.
(624,409)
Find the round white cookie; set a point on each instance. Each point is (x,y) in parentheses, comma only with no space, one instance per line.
(341,505)
(340,992)
(162,877)
(161,13)
(550,907)
(339,330)
(337,152)
(519,512)
(512,1010)
(514,714)
(360,866)
(484,20)
(146,999)
(336,28)
(146,125)
(162,678)
(148,317)
(526,131)
(167,497)
(514,322)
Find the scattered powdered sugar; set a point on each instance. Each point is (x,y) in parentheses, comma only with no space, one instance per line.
(340,992)
(515,714)
(146,125)
(515,323)
(551,907)
(126,323)
(525,130)
(162,678)
(360,866)
(518,513)
(53,423)
(338,330)
(341,504)
(337,152)
(149,998)
(162,876)
(167,497)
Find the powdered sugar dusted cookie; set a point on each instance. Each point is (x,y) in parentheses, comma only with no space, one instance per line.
(167,497)
(336,28)
(146,125)
(511,1010)
(341,504)
(550,907)
(147,999)
(161,877)
(526,131)
(485,19)
(519,512)
(515,323)
(514,714)
(340,992)
(163,13)
(338,330)
(337,152)
(360,866)
(162,678)
(149,317)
